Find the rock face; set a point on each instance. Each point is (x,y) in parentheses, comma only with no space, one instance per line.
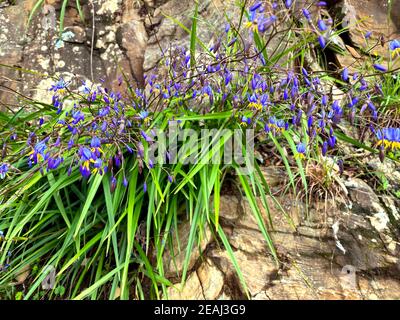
(174,257)
(342,251)
(165,31)
(379,19)
(113,35)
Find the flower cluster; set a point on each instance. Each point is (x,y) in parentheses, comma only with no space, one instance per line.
(102,126)
(388,138)
(394,47)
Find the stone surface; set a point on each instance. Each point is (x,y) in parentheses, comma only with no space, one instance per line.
(191,290)
(165,32)
(11,53)
(205,283)
(211,279)
(175,257)
(346,250)
(119,40)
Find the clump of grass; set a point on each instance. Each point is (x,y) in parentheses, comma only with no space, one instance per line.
(78,179)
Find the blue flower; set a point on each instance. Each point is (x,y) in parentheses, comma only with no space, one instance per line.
(394,46)
(59,86)
(40,147)
(331,141)
(95,142)
(85,89)
(380,67)
(324,100)
(227,27)
(145,136)
(245,121)
(324,148)
(144,116)
(86,154)
(104,111)
(53,163)
(3,170)
(368,35)
(255,6)
(322,42)
(389,138)
(306,14)
(37,153)
(321,25)
(98,163)
(232,42)
(88,157)
(345,74)
(310,121)
(84,170)
(78,116)
(301,150)
(265,23)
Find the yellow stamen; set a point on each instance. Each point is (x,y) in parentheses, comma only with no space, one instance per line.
(255,105)
(395,52)
(94,149)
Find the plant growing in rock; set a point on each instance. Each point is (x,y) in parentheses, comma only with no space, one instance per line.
(78,177)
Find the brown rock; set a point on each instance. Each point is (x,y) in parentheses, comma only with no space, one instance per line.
(212,279)
(132,38)
(191,290)
(204,283)
(256,269)
(175,258)
(362,16)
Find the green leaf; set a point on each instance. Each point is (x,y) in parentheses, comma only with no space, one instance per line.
(193,37)
(92,192)
(34,9)
(62,15)
(97,284)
